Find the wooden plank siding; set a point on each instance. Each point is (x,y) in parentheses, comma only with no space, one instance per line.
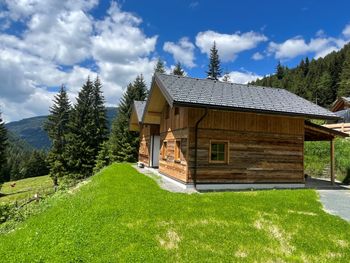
(145,142)
(173,127)
(262,148)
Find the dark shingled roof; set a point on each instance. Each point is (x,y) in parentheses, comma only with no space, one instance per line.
(216,94)
(140,108)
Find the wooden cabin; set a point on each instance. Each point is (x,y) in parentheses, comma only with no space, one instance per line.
(217,135)
(341,108)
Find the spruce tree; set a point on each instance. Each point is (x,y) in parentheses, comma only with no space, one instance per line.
(159,67)
(214,68)
(57,129)
(3,145)
(178,70)
(84,132)
(100,115)
(124,143)
(323,94)
(344,83)
(279,71)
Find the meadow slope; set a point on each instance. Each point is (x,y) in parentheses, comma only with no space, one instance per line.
(122,215)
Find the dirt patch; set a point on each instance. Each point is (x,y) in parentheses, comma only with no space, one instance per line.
(302,213)
(241,254)
(78,186)
(170,241)
(276,233)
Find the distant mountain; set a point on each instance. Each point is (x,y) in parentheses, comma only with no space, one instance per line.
(32,132)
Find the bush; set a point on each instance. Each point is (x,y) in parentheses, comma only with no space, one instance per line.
(347,176)
(6,212)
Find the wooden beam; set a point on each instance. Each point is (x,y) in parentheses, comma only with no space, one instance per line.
(332,162)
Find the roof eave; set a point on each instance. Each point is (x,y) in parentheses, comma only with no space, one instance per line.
(293,114)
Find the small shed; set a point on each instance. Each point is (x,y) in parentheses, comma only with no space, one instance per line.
(218,135)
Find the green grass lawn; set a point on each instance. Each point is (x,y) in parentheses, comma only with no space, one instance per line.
(123,216)
(25,189)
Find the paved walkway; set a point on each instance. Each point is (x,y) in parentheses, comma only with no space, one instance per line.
(336,202)
(163,182)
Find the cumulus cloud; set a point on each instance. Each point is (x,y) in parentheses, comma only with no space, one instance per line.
(257,56)
(321,45)
(183,51)
(229,45)
(346,31)
(61,43)
(242,77)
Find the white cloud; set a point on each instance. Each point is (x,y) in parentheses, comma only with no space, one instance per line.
(57,37)
(183,51)
(346,31)
(228,45)
(242,77)
(257,56)
(321,45)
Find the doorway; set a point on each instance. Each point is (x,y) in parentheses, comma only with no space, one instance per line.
(155,147)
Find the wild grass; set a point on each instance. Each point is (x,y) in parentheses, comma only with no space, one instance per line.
(317,157)
(25,189)
(123,216)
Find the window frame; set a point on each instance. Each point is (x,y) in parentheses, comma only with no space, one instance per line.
(226,153)
(177,151)
(165,150)
(176,111)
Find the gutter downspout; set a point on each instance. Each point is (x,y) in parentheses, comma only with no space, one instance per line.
(196,146)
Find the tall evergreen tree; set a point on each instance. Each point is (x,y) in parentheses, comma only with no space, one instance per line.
(57,129)
(214,68)
(159,67)
(178,70)
(86,130)
(279,71)
(344,83)
(3,145)
(100,117)
(324,94)
(124,143)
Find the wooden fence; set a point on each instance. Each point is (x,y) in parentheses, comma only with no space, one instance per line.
(343,127)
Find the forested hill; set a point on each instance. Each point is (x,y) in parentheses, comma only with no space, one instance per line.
(32,132)
(319,81)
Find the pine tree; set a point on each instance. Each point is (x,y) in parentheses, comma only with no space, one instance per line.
(124,143)
(279,71)
(178,70)
(3,145)
(159,67)
(323,92)
(214,69)
(344,83)
(100,118)
(57,129)
(80,153)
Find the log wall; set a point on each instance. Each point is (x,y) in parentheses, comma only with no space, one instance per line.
(262,148)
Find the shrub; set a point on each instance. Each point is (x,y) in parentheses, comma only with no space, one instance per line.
(347,176)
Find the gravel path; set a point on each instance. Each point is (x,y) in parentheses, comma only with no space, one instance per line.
(336,202)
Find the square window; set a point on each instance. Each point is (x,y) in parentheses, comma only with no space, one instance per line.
(218,152)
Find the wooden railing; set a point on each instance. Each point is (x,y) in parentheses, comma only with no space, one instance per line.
(343,127)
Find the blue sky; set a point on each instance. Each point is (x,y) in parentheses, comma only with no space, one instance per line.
(44,44)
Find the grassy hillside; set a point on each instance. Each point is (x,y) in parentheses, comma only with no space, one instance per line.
(25,189)
(31,130)
(123,216)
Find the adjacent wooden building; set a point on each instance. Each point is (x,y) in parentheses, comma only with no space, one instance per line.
(214,134)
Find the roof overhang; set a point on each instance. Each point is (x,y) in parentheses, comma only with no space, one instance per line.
(339,104)
(134,124)
(314,132)
(156,101)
